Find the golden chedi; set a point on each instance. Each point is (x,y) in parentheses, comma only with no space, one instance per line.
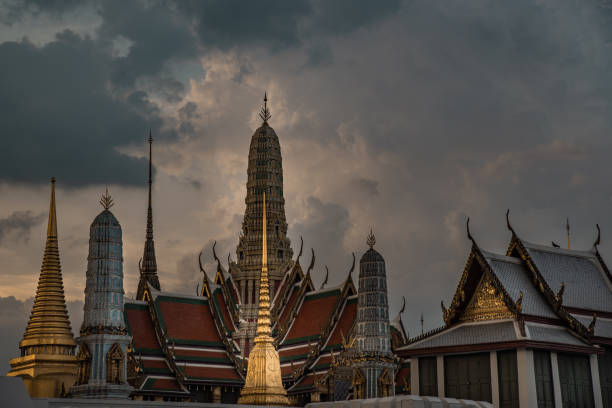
(47,363)
(264,385)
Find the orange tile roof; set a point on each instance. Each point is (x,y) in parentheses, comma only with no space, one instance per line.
(287,308)
(154,364)
(287,370)
(163,384)
(188,320)
(227,320)
(348,316)
(141,327)
(313,315)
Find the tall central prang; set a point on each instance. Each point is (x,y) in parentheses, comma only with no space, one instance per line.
(265,174)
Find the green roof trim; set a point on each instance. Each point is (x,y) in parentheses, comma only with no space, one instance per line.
(292,358)
(157,370)
(197,342)
(322,366)
(183,357)
(302,339)
(144,350)
(215,380)
(164,298)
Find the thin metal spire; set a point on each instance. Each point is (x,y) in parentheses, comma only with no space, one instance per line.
(150,209)
(422,324)
(148,268)
(567,228)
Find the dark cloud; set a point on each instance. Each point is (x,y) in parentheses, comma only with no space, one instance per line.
(319,55)
(405,117)
(19,224)
(323,230)
(89,101)
(13,10)
(61,119)
(14,315)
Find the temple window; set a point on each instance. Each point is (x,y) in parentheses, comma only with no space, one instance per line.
(114,365)
(84,358)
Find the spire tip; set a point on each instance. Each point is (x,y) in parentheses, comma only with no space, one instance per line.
(106,201)
(265,112)
(371,240)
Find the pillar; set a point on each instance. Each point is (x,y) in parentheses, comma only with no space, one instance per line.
(414,376)
(526,378)
(597,397)
(494,378)
(216,395)
(440,375)
(554,366)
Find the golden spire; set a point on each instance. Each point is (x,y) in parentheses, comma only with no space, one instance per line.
(48,331)
(49,319)
(264,385)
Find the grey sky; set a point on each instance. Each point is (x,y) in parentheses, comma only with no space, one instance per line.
(406,117)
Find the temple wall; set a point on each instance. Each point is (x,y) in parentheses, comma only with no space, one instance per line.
(403,401)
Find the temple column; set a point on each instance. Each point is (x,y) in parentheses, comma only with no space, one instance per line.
(440,374)
(243,284)
(526,378)
(494,378)
(216,395)
(414,376)
(249,292)
(554,367)
(597,398)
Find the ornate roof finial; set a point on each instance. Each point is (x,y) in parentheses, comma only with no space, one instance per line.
(265,112)
(423,321)
(326,277)
(106,201)
(508,222)
(467,227)
(312,262)
(598,239)
(567,228)
(371,239)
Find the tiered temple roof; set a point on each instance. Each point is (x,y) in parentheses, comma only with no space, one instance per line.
(533,296)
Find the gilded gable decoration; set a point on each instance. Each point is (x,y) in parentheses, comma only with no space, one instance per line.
(486,304)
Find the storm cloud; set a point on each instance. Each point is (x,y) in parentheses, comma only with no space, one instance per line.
(19,223)
(404,117)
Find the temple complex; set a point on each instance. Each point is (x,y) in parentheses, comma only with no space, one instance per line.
(103,342)
(198,348)
(528,328)
(531,327)
(47,363)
